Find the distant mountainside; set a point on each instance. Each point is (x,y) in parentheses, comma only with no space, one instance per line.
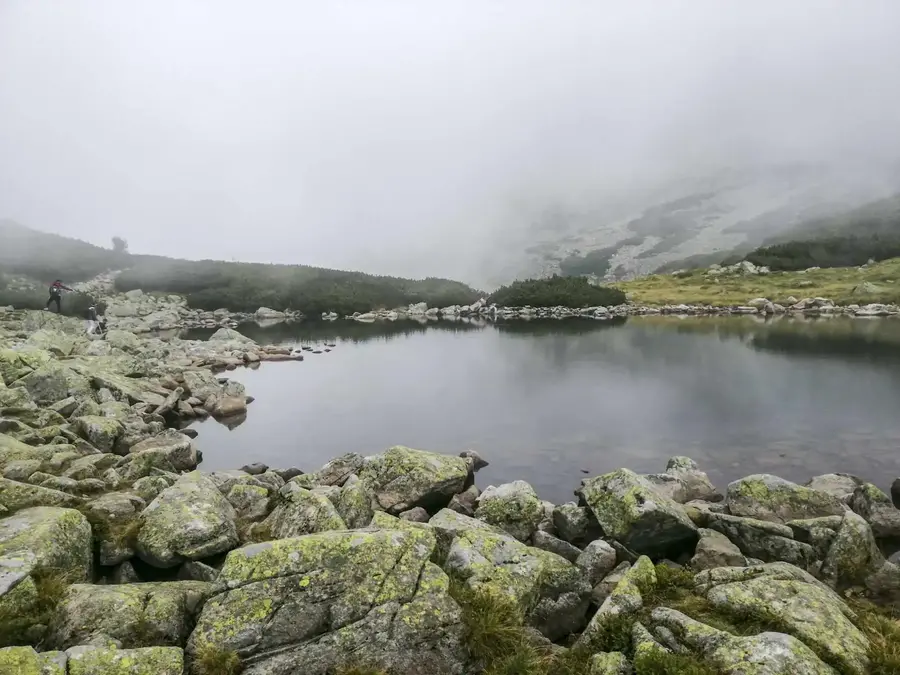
(211,284)
(691,221)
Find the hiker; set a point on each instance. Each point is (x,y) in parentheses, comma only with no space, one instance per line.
(94,323)
(56,289)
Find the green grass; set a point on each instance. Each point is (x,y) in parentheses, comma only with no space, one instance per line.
(213,660)
(882,626)
(836,283)
(662,663)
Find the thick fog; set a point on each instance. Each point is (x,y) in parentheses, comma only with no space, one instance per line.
(398,137)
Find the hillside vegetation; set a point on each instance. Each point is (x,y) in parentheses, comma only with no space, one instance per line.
(556,291)
(211,284)
(844,285)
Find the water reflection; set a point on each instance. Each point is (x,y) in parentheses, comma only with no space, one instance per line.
(543,400)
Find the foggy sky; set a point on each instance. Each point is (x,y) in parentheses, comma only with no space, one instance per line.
(394,137)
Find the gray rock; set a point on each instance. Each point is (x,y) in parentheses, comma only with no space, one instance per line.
(319,603)
(114,518)
(447,525)
(124,573)
(840,485)
(763,654)
(175,446)
(853,555)
(895,492)
(354,503)
(602,589)
(770,542)
(197,571)
(878,510)
(90,660)
(255,469)
(631,511)
(610,663)
(817,532)
(190,520)
(767,497)
(303,512)
(810,612)
(466,501)
(513,507)
(334,472)
(597,560)
(250,502)
(130,615)
(550,591)
(715,550)
(478,462)
(402,478)
(576,524)
(415,515)
(547,542)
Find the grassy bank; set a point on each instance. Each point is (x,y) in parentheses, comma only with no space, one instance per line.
(837,283)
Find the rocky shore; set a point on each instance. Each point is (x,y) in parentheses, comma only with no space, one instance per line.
(119,557)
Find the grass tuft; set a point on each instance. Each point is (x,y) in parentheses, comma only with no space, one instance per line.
(213,660)
(655,662)
(882,627)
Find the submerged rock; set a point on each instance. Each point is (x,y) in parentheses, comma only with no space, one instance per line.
(632,512)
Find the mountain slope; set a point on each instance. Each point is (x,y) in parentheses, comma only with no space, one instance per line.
(705,218)
(211,284)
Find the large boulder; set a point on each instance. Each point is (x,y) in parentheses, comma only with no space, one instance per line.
(550,591)
(190,520)
(402,478)
(329,601)
(840,485)
(767,497)
(447,525)
(130,615)
(15,496)
(303,512)
(596,561)
(576,524)
(810,612)
(763,654)
(513,507)
(17,363)
(100,431)
(631,511)
(53,382)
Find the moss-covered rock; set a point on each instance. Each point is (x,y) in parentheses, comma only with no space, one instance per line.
(114,518)
(770,498)
(101,432)
(48,539)
(26,661)
(878,510)
(764,540)
(625,600)
(853,554)
(448,524)
(302,512)
(111,661)
(610,663)
(354,503)
(840,485)
(763,654)
(402,478)
(189,521)
(317,603)
(53,382)
(715,550)
(15,496)
(550,591)
(335,472)
(810,612)
(513,507)
(17,363)
(131,615)
(172,444)
(631,511)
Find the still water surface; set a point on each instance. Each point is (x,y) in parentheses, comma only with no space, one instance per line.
(547,402)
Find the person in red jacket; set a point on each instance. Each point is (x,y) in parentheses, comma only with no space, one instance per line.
(56,289)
